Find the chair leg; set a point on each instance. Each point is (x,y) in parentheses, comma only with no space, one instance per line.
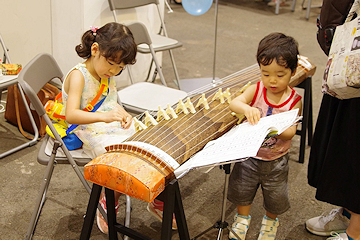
(308,10)
(127,214)
(158,67)
(277,7)
(33,124)
(154,73)
(42,194)
(293,5)
(177,78)
(130,75)
(175,68)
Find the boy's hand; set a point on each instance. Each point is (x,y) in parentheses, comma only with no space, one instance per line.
(252,114)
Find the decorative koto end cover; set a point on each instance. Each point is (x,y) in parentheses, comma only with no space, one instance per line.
(127,171)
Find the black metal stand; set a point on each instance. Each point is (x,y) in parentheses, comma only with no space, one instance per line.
(307,122)
(172,205)
(221,224)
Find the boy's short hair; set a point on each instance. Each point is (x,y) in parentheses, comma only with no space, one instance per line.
(280,47)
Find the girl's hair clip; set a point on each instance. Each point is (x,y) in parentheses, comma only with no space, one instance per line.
(94,29)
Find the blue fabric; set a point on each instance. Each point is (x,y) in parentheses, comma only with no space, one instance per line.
(346,213)
(72,142)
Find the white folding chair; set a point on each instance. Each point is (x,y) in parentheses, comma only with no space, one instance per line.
(3,86)
(277,6)
(309,7)
(40,70)
(160,40)
(143,96)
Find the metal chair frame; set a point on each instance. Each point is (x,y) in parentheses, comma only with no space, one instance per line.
(160,95)
(161,41)
(3,86)
(40,70)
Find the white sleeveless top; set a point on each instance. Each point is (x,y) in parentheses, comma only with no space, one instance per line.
(97,136)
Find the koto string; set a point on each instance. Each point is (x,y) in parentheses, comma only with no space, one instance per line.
(174,146)
(227,84)
(199,143)
(179,157)
(158,134)
(204,129)
(206,88)
(194,115)
(250,70)
(141,137)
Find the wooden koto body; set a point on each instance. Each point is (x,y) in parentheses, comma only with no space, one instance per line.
(142,166)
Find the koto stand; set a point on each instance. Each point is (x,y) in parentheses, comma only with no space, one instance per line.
(172,205)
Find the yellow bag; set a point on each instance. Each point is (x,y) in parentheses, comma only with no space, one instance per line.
(53,110)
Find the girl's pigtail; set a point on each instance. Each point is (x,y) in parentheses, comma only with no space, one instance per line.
(84,49)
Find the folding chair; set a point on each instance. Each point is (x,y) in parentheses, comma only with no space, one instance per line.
(6,57)
(11,80)
(308,7)
(277,6)
(40,70)
(161,40)
(143,96)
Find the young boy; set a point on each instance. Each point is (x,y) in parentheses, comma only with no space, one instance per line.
(277,57)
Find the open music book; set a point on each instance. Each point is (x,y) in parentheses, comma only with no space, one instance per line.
(242,141)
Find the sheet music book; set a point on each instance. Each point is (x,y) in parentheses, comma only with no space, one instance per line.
(242,141)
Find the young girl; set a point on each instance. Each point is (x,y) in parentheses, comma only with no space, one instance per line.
(106,51)
(277,57)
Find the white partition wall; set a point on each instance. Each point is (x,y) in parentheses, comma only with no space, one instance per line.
(25,28)
(70,19)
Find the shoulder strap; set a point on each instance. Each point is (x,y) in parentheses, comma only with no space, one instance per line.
(103,87)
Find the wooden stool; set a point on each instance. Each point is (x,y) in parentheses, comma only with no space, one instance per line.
(172,205)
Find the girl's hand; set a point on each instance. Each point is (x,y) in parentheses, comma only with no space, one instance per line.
(119,114)
(252,114)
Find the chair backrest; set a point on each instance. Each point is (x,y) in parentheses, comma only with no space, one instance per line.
(6,58)
(125,4)
(39,71)
(140,33)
